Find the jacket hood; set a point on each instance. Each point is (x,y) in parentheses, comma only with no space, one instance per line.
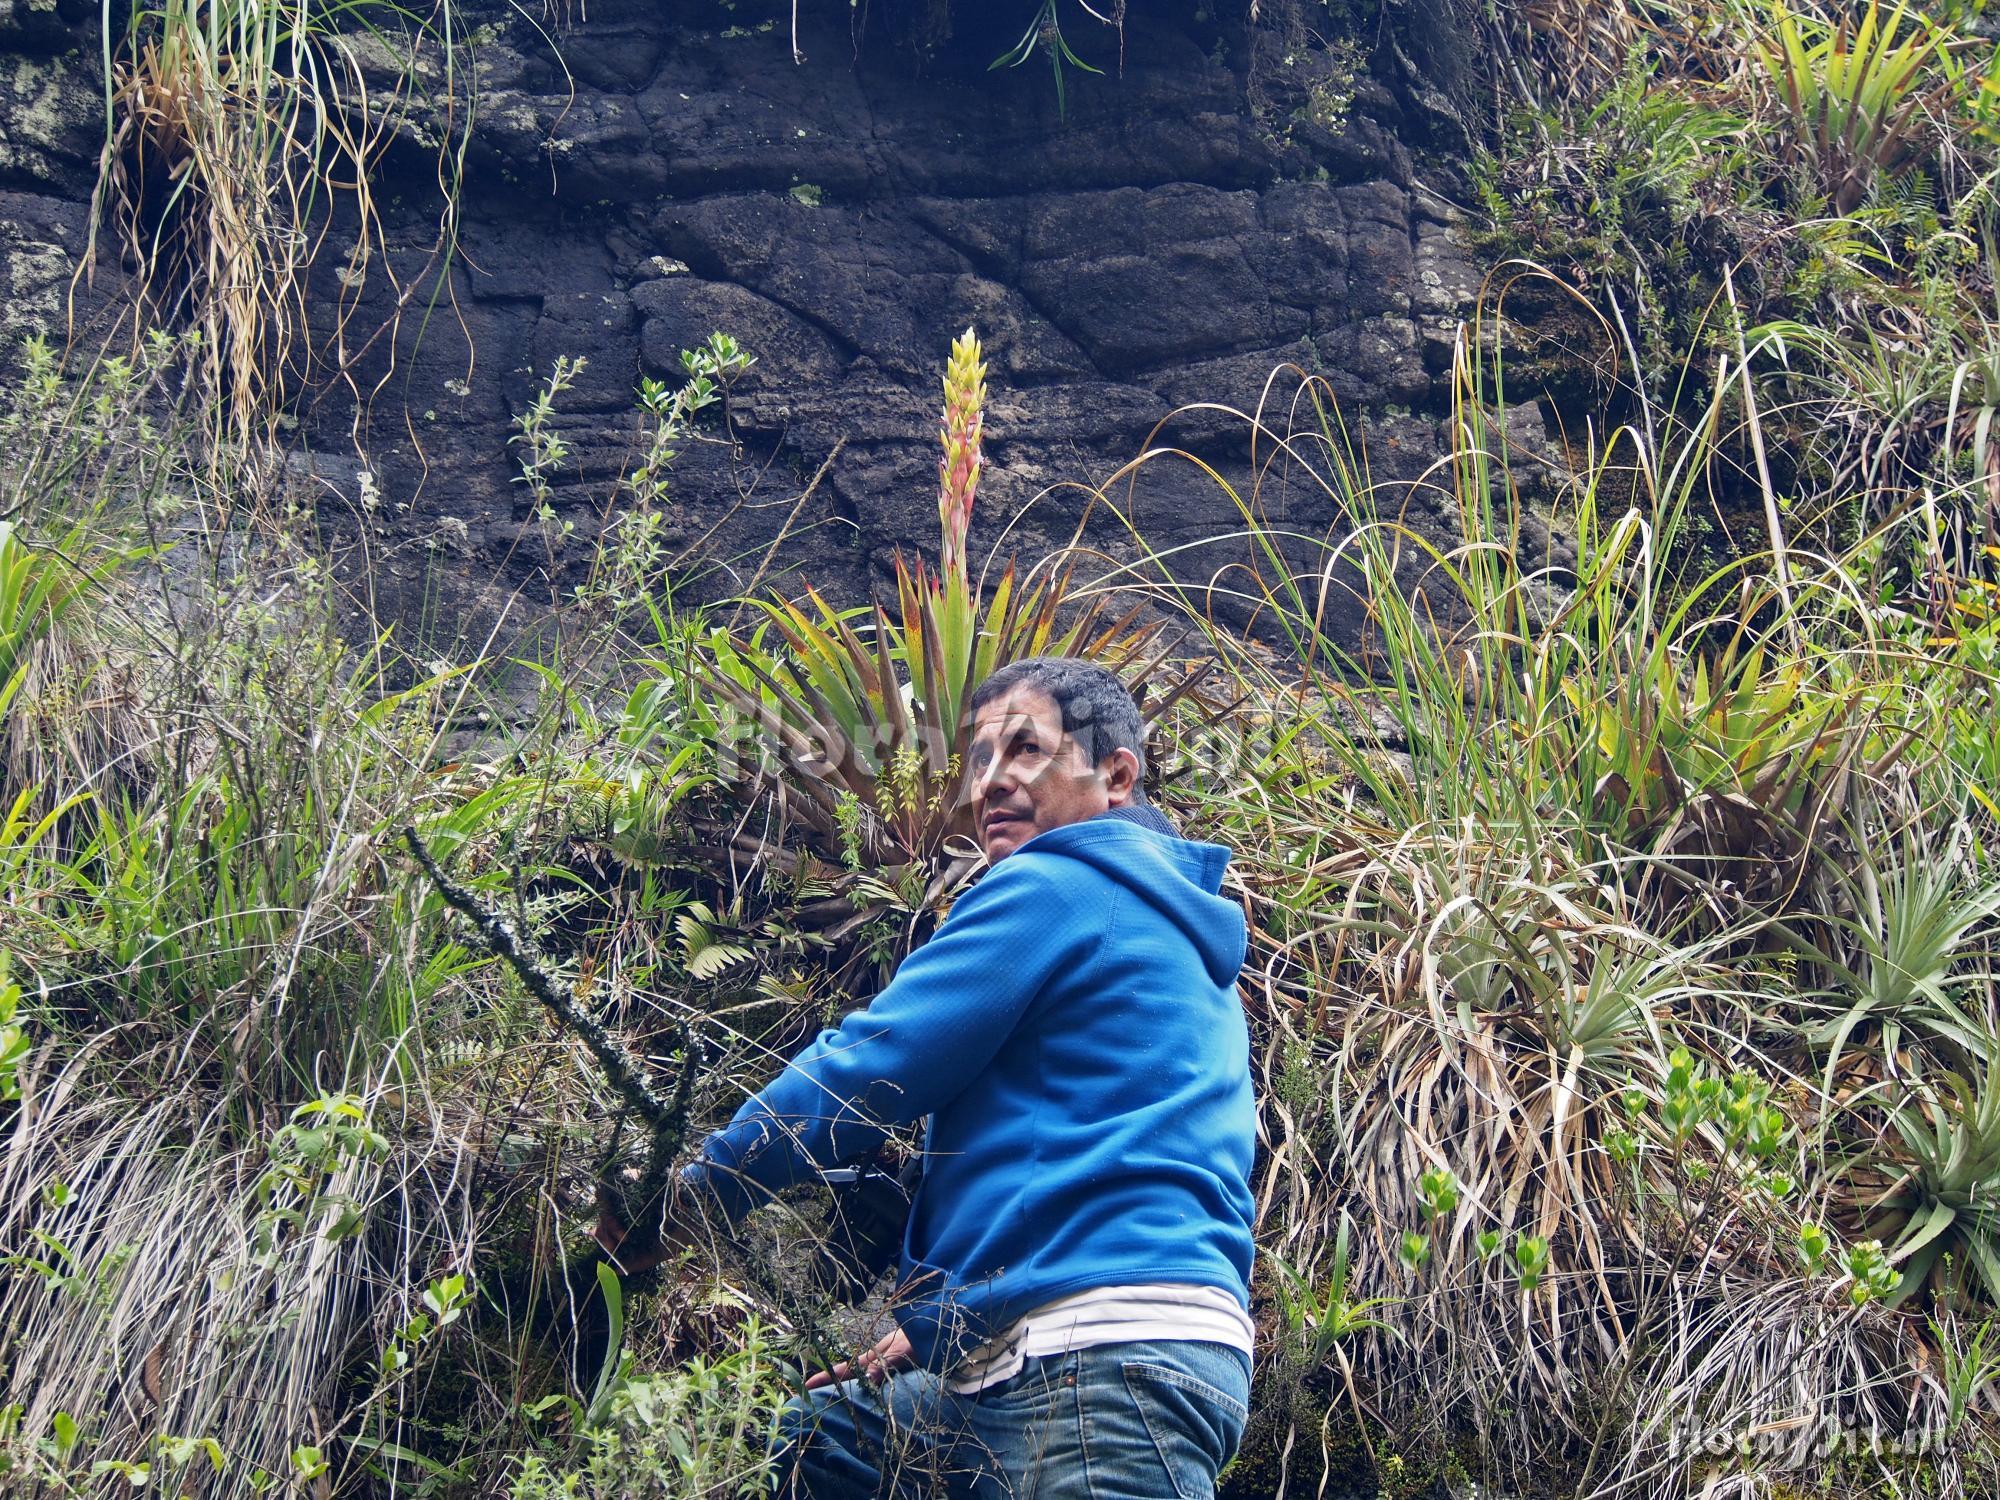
(1137,847)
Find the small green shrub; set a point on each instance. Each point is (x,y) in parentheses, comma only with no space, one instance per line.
(701,1430)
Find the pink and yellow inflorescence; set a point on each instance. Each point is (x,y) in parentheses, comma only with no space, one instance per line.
(958,468)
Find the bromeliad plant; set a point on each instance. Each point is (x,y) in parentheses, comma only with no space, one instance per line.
(1855,92)
(858,714)
(1938,1208)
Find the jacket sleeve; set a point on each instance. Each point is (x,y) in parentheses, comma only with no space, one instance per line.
(914,1048)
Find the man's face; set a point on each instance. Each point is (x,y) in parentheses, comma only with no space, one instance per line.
(1027,776)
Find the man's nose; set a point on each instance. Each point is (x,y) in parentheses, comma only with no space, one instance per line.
(994,776)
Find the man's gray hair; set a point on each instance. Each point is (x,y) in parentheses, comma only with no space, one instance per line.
(1096,710)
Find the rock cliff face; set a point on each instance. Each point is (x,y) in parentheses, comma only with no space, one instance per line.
(1230,199)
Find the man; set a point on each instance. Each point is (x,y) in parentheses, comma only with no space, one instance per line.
(1073,1309)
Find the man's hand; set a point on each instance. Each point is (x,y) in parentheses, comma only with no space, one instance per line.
(890,1356)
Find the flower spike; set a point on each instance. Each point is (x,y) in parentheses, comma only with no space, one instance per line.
(959,433)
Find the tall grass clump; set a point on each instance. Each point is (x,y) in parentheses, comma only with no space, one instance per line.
(221,1106)
(256,1071)
(1624,959)
(239,134)
(298,1189)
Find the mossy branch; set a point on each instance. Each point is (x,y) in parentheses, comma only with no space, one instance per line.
(666,1117)
(625,1073)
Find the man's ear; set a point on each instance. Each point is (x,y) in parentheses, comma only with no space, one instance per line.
(1120,770)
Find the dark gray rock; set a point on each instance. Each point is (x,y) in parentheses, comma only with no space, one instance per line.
(641,178)
(682,310)
(40,239)
(51,121)
(41,25)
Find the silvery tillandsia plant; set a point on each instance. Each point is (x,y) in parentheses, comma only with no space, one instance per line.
(1045,34)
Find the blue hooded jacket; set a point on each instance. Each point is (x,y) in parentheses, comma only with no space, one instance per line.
(1073,1031)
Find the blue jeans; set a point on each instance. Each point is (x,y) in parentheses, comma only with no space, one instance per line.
(1143,1421)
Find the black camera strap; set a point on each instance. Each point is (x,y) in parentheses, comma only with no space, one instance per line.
(865,1223)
